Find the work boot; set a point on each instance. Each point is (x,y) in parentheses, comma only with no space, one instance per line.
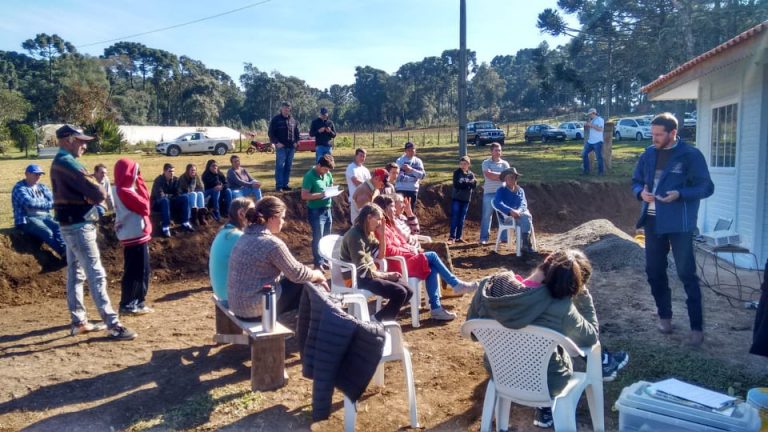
(665,325)
(527,246)
(201,214)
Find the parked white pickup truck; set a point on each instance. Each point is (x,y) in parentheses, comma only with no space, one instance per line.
(195,142)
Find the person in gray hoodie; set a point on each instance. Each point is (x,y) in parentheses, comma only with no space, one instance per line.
(554,296)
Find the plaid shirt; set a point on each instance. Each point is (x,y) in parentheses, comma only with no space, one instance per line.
(29,200)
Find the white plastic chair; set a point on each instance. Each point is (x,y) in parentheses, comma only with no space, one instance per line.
(394,350)
(510,225)
(415,285)
(519,360)
(329,250)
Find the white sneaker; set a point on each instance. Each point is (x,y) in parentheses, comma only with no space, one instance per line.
(465,287)
(86,327)
(440,314)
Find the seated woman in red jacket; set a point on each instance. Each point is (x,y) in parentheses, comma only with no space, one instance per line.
(422,265)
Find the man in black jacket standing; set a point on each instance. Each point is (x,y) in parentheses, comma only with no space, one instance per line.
(324,132)
(284,134)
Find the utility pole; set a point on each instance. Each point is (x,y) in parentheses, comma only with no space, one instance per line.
(463,78)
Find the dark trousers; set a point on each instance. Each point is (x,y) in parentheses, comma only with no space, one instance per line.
(396,294)
(458,214)
(135,283)
(289,299)
(657,248)
(410,194)
(169,206)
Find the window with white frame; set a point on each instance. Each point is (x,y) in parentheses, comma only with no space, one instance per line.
(723,150)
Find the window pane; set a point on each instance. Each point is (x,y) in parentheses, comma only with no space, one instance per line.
(723,146)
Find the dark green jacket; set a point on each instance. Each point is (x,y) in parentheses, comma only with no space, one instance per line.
(573,317)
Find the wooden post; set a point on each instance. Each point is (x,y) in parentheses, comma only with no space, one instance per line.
(354,140)
(438,137)
(608,145)
(374,139)
(268,363)
(391,140)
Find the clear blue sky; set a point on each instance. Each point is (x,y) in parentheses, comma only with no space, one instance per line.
(319,42)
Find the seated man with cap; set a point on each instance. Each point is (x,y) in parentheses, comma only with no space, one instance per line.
(371,188)
(32,202)
(510,200)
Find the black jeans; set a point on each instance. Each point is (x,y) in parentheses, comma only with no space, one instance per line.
(135,283)
(289,299)
(396,293)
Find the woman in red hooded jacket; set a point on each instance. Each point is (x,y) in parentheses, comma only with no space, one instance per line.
(421,265)
(133,228)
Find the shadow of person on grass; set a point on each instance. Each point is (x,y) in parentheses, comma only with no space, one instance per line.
(168,381)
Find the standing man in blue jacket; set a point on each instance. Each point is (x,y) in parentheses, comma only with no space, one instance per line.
(670,179)
(284,134)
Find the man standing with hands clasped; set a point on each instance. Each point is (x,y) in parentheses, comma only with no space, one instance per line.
(324,132)
(670,179)
(594,130)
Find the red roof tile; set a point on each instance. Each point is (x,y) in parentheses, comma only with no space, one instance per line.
(743,37)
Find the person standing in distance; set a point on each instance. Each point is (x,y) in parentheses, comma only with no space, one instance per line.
(75,195)
(284,134)
(324,132)
(492,169)
(670,179)
(411,173)
(593,127)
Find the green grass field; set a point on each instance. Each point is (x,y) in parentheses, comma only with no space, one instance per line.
(537,162)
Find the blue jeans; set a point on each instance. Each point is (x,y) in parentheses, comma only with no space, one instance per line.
(598,149)
(252,192)
(321,151)
(458,214)
(196,199)
(656,250)
(283,162)
(84,261)
(320,220)
(46,229)
(487,217)
(165,205)
(219,197)
(436,268)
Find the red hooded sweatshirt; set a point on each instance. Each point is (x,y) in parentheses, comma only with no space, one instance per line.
(132,206)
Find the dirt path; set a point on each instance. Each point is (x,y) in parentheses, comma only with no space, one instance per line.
(173,377)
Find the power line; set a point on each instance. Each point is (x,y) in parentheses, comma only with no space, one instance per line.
(176,25)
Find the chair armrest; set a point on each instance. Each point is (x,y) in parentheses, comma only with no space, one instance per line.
(403,267)
(382,264)
(594,360)
(361,302)
(395,332)
(345,266)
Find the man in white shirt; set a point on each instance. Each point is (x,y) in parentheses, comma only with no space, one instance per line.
(356,174)
(594,130)
(492,168)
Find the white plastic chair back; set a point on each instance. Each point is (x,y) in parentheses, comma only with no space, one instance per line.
(415,285)
(329,249)
(509,225)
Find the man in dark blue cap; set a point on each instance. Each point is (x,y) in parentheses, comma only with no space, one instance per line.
(324,132)
(32,202)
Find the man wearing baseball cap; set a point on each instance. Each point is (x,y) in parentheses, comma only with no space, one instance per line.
(370,189)
(411,173)
(594,129)
(32,202)
(75,196)
(324,132)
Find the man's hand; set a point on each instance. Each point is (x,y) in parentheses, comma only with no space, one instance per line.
(671,196)
(218,187)
(514,213)
(279,145)
(407,168)
(646,195)
(392,276)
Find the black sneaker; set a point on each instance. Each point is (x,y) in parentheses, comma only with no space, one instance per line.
(287,188)
(543,418)
(119,332)
(613,362)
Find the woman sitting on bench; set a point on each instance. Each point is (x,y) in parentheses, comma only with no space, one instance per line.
(225,241)
(260,258)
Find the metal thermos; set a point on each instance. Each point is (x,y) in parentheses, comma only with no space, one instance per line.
(269,314)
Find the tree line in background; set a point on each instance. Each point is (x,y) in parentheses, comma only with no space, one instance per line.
(618,46)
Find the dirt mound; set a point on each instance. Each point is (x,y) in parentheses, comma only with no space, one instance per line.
(607,247)
(31,271)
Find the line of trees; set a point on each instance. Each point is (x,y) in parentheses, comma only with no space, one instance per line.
(618,46)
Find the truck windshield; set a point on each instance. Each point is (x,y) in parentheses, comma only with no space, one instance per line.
(485,125)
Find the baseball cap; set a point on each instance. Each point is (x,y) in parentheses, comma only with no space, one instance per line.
(35,169)
(69,130)
(508,171)
(323,110)
(409,145)
(381,173)
(592,110)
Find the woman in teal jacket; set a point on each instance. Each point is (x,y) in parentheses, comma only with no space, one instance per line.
(221,248)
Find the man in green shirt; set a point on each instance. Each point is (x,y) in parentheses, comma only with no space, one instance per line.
(313,191)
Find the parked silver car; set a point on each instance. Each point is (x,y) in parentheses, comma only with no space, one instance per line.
(637,128)
(573,130)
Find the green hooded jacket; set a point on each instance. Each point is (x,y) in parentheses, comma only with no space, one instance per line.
(574,317)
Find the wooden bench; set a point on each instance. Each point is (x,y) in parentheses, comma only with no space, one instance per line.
(267,349)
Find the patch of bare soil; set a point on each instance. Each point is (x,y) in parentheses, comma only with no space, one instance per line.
(173,377)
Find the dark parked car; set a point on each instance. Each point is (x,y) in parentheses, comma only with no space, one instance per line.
(484,132)
(544,132)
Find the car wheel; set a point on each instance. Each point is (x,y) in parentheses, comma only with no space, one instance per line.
(578,137)
(618,136)
(529,139)
(220,150)
(544,139)
(562,139)
(173,151)
(639,136)
(477,141)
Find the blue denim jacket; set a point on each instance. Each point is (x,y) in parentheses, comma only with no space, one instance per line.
(687,173)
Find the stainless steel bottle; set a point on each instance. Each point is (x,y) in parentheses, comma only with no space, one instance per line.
(269,313)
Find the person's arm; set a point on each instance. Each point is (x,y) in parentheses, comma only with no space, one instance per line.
(314,127)
(638,177)
(331,129)
(29,202)
(580,325)
(488,173)
(272,131)
(295,271)
(296,133)
(157,189)
(699,184)
(498,200)
(306,195)
(472,180)
(417,168)
(523,202)
(222,180)
(457,180)
(233,179)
